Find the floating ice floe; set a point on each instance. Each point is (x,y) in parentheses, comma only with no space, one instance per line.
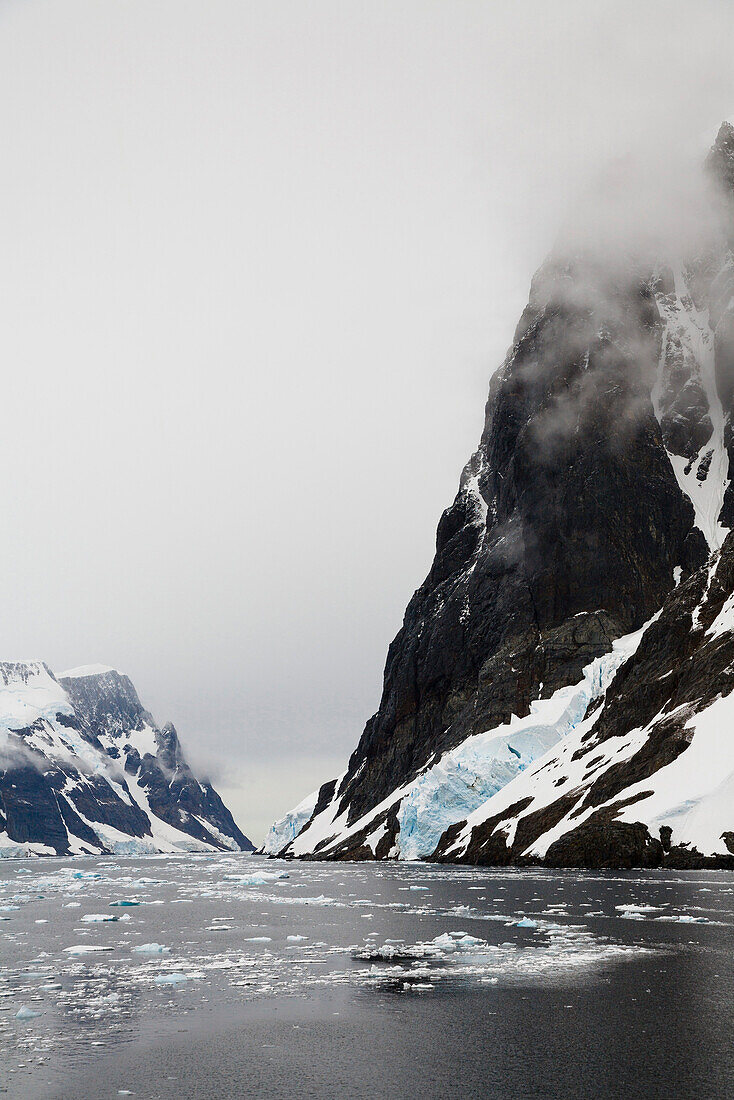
(631,911)
(458,955)
(150,949)
(260,878)
(26,1013)
(684,918)
(85,949)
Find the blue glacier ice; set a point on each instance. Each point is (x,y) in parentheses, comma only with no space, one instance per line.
(285,830)
(465,777)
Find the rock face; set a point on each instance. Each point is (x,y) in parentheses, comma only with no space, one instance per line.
(84,768)
(597,495)
(649,776)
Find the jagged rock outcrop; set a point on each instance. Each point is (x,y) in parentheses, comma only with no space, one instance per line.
(599,488)
(84,768)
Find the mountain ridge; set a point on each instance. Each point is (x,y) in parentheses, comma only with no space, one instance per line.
(599,488)
(85,769)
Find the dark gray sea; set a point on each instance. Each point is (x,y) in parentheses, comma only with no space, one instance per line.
(221,977)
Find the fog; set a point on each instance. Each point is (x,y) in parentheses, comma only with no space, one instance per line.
(257,264)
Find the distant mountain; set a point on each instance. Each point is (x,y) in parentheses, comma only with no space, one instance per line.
(560,688)
(84,769)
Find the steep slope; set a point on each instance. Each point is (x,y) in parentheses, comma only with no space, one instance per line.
(600,482)
(647,777)
(84,768)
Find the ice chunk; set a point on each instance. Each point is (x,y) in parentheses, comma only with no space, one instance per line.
(685,918)
(85,949)
(260,878)
(298,939)
(526,922)
(26,1013)
(172,979)
(150,949)
(97,918)
(124,902)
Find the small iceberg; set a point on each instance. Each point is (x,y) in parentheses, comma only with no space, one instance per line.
(261,878)
(85,949)
(26,1013)
(171,979)
(150,949)
(685,918)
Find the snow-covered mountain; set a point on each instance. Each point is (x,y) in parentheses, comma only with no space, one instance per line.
(560,686)
(84,769)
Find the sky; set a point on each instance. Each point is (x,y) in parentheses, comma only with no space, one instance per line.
(258,261)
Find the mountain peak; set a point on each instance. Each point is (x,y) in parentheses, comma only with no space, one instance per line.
(84,768)
(721,157)
(599,501)
(83,671)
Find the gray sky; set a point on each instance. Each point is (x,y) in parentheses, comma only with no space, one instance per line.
(257,263)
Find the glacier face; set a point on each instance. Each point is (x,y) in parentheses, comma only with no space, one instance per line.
(462,779)
(287,828)
(652,769)
(84,768)
(466,777)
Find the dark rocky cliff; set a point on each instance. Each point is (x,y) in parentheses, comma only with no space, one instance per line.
(564,534)
(601,481)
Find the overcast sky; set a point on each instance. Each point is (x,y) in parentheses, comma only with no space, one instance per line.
(257,263)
